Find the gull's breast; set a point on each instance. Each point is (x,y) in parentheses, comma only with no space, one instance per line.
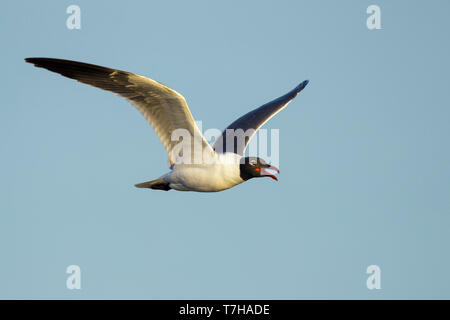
(205,177)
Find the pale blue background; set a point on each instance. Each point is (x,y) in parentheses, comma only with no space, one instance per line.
(365,158)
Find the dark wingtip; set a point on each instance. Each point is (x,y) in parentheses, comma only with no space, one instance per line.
(36,61)
(31,60)
(301,86)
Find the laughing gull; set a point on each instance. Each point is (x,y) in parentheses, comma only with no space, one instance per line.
(220,167)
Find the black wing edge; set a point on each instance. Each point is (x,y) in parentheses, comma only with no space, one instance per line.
(253,120)
(69,68)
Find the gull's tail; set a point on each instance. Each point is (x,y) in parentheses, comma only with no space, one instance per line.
(158,184)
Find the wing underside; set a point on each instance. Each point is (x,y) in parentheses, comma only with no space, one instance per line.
(165,109)
(237,135)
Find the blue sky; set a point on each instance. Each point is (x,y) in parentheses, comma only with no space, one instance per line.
(364,156)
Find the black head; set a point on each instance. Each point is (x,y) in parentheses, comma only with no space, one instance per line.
(254,167)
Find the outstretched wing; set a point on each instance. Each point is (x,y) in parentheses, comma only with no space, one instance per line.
(165,109)
(237,135)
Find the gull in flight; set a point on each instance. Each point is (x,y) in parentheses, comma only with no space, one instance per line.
(194,164)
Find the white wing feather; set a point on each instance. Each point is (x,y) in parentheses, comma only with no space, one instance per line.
(165,109)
